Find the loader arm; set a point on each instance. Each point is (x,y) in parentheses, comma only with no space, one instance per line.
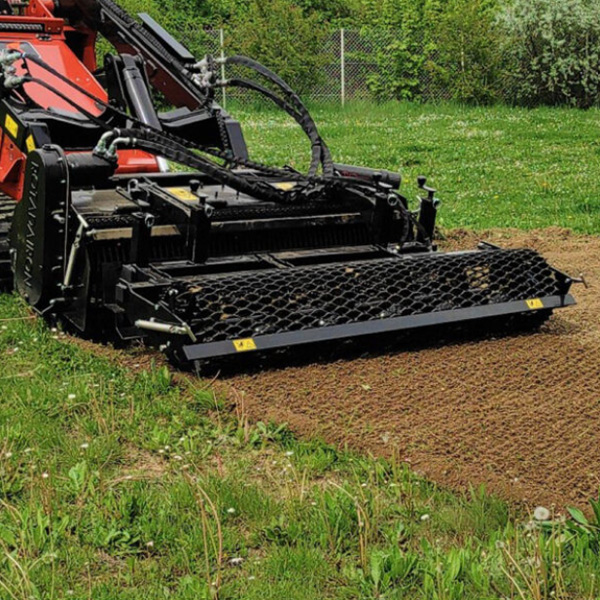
(171,68)
(168,63)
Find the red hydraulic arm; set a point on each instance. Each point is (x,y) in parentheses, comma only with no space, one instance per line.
(62,34)
(68,50)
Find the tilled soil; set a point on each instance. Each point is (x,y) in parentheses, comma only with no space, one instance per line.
(519,414)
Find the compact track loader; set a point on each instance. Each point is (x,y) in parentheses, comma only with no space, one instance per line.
(229,258)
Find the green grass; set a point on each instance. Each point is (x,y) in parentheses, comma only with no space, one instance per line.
(116,485)
(120,485)
(493,166)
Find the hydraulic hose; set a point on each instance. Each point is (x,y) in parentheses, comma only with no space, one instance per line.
(148,138)
(224,155)
(250,63)
(316,142)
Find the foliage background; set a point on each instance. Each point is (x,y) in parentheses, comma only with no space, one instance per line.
(528,52)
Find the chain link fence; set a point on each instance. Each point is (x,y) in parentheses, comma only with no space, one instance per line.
(356,65)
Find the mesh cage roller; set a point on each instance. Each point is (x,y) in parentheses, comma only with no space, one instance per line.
(280,300)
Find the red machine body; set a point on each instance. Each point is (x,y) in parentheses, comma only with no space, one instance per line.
(71,52)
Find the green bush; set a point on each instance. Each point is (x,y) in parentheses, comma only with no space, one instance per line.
(480,51)
(450,46)
(467,63)
(553,49)
(338,13)
(282,37)
(397,32)
(400,63)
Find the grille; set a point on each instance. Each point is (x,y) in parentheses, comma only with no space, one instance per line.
(33,27)
(234,213)
(279,300)
(104,252)
(240,242)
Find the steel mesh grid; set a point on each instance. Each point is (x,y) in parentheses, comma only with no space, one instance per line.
(280,300)
(268,212)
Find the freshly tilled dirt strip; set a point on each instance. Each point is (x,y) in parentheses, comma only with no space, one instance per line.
(519,414)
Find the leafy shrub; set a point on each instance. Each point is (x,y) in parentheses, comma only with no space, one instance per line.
(282,37)
(553,47)
(451,46)
(400,64)
(397,34)
(467,63)
(520,51)
(336,12)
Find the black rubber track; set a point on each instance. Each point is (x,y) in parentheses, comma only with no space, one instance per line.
(7,208)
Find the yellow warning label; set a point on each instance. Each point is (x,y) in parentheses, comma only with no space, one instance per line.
(244,345)
(285,186)
(183,194)
(11,126)
(534,304)
(30,143)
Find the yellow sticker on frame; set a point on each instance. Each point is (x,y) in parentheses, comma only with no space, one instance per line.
(285,186)
(11,126)
(183,194)
(244,345)
(30,143)
(534,304)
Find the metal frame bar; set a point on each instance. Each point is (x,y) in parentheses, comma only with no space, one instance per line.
(366,328)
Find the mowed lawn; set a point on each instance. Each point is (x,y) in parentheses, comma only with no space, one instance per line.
(119,481)
(493,166)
